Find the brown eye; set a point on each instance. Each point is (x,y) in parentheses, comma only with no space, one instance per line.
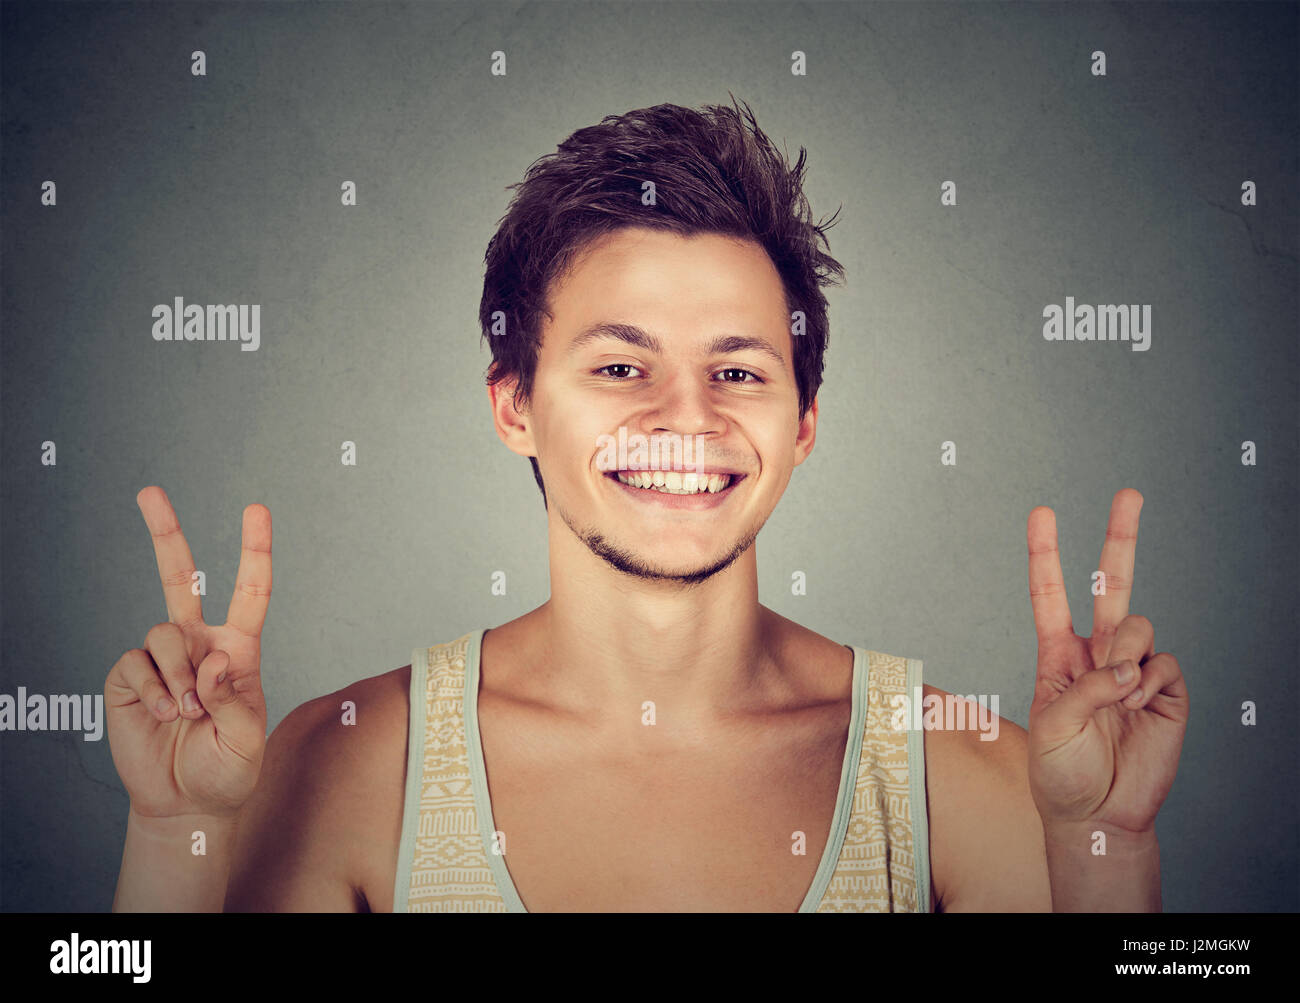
(617,365)
(743,372)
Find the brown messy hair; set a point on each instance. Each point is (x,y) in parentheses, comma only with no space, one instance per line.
(714,171)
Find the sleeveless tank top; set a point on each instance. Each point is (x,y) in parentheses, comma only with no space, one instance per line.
(876,858)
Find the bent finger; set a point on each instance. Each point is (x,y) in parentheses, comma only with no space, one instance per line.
(134,678)
(1134,641)
(166,643)
(1160,675)
(238,726)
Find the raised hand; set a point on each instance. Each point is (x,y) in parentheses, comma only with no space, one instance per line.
(186,714)
(1103,747)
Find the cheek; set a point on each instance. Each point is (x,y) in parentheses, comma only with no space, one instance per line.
(569,434)
(573,415)
(774,442)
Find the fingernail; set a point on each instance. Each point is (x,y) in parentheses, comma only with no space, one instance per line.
(1125,673)
(190,702)
(164,705)
(1134,698)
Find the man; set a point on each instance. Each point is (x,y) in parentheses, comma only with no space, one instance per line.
(651,737)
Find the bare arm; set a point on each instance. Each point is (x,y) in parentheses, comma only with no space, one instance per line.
(280,853)
(986,838)
(321,832)
(992,852)
(161,872)
(1126,878)
(291,853)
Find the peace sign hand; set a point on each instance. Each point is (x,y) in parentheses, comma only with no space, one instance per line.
(185,741)
(1101,750)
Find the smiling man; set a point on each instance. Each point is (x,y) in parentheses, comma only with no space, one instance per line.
(651,737)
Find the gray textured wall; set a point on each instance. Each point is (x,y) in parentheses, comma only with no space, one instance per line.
(225,189)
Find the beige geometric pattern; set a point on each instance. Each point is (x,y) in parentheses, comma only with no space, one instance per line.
(450,870)
(875,870)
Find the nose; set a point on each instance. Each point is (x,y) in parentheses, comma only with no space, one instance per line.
(685,405)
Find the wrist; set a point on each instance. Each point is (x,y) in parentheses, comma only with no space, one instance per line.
(1120,873)
(1076,834)
(170,827)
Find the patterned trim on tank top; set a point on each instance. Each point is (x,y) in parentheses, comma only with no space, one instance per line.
(876,871)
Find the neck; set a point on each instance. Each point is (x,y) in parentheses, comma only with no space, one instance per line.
(608,641)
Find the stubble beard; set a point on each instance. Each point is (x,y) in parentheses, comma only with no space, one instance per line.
(629,564)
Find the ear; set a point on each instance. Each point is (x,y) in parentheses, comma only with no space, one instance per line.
(512,423)
(807,436)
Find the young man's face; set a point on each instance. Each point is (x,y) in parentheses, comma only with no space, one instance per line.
(738,401)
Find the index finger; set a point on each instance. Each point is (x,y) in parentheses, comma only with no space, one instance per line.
(1046,584)
(175,562)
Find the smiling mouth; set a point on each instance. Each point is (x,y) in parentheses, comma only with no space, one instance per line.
(673,482)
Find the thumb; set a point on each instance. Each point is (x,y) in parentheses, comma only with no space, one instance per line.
(1070,713)
(236,723)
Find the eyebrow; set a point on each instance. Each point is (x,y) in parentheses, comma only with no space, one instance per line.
(630,334)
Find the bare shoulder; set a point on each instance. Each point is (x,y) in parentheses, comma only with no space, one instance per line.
(816,662)
(321,831)
(986,838)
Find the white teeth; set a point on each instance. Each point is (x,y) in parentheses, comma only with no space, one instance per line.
(674,483)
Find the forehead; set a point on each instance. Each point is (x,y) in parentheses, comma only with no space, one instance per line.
(665,279)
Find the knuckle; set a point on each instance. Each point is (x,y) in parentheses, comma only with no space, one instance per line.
(182,577)
(160,633)
(129,670)
(254,591)
(133,656)
(133,662)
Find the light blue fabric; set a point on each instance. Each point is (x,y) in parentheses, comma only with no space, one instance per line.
(414,778)
(916,777)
